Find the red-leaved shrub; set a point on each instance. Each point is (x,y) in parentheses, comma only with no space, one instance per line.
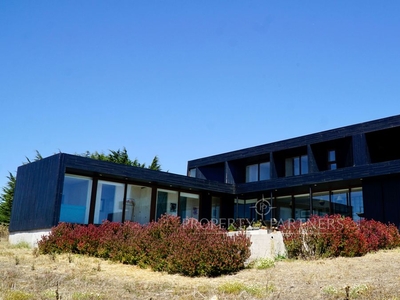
(335,235)
(379,235)
(190,248)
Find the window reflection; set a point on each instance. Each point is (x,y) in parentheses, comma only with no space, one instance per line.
(75,200)
(167,203)
(138,201)
(109,202)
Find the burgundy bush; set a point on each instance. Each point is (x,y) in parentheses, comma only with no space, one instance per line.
(379,235)
(190,249)
(206,249)
(335,235)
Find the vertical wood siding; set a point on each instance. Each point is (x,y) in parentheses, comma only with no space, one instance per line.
(37,190)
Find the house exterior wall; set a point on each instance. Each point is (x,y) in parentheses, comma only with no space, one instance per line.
(37,194)
(366,157)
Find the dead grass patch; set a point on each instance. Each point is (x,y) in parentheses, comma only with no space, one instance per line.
(373,276)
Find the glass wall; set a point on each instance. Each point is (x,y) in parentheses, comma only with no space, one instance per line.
(245,209)
(167,203)
(321,204)
(340,203)
(188,206)
(109,202)
(302,207)
(357,203)
(138,202)
(215,209)
(75,201)
(283,208)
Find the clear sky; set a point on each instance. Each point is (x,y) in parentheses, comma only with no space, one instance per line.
(187,79)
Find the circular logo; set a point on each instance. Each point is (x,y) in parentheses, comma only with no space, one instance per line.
(263,207)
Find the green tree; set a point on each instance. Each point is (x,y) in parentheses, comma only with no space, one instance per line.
(122,157)
(6,199)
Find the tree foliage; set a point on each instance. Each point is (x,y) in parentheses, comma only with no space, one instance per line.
(122,157)
(6,199)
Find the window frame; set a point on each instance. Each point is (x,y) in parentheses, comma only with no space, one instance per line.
(257,175)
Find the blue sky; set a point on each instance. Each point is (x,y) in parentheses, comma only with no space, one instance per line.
(188,79)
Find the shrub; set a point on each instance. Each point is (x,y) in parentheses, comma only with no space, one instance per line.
(190,249)
(379,235)
(327,236)
(206,249)
(58,240)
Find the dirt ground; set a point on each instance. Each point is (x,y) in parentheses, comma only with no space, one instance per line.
(26,275)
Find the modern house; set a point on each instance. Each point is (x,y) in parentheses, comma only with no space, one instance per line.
(353,171)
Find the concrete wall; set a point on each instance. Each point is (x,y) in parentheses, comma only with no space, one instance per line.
(264,243)
(31,237)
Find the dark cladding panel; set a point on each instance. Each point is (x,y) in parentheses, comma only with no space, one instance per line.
(213,172)
(36,193)
(391,196)
(360,150)
(382,199)
(372,196)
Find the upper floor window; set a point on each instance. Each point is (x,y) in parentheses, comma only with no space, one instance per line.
(332,160)
(192,172)
(258,172)
(297,165)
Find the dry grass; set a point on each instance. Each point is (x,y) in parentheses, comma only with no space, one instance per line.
(26,275)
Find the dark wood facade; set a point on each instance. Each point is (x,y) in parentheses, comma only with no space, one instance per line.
(367,156)
(38,192)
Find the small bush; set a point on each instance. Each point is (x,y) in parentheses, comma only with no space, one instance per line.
(237,288)
(264,263)
(17,295)
(334,235)
(191,249)
(198,249)
(379,235)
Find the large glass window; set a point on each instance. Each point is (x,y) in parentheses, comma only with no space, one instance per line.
(215,209)
(321,204)
(189,206)
(297,165)
(167,203)
(192,172)
(75,200)
(283,208)
(340,203)
(245,209)
(109,202)
(302,207)
(357,203)
(265,171)
(258,172)
(252,173)
(138,201)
